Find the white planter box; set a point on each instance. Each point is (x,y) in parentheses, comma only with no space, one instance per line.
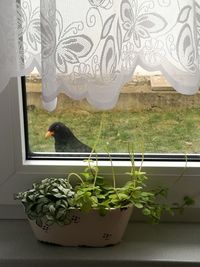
(86,229)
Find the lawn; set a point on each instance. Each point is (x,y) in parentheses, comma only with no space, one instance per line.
(149,131)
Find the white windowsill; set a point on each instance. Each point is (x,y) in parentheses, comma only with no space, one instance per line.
(166,244)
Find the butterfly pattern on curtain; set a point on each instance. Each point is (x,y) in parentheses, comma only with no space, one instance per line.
(90,48)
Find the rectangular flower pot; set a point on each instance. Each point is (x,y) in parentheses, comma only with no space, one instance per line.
(86,229)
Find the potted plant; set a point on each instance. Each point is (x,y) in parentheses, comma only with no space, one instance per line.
(91,211)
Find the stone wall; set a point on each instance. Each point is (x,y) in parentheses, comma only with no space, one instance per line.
(138,95)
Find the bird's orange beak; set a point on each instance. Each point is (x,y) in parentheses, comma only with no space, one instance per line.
(49,134)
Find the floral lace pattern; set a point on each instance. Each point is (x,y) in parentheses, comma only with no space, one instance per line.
(90,48)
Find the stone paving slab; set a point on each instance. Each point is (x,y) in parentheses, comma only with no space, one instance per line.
(159,83)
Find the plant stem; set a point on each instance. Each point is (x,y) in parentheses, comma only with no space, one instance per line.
(183,171)
(132,159)
(98,137)
(113,171)
(93,149)
(76,175)
(142,159)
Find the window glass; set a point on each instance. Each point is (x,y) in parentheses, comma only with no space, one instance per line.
(149,113)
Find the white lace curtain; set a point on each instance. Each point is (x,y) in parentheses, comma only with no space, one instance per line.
(90,48)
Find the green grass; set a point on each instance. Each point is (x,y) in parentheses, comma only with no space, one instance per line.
(149,131)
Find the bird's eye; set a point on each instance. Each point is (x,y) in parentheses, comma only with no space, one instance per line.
(57,127)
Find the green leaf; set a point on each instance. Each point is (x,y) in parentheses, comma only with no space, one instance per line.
(32,216)
(101,197)
(146,212)
(55,190)
(188,201)
(39,222)
(52,209)
(94,199)
(138,205)
(103,211)
(122,196)
(59,195)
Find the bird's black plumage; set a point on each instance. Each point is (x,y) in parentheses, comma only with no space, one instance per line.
(65,140)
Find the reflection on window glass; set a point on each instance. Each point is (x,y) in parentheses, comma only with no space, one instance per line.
(149,114)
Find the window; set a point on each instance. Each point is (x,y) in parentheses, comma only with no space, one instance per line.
(149,114)
(18,173)
(21,165)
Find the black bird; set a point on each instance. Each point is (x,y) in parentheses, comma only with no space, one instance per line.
(65,140)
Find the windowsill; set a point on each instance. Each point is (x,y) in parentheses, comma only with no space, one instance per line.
(166,244)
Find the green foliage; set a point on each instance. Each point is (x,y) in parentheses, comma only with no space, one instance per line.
(51,200)
(102,196)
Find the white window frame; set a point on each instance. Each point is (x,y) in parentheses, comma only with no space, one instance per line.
(17,173)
